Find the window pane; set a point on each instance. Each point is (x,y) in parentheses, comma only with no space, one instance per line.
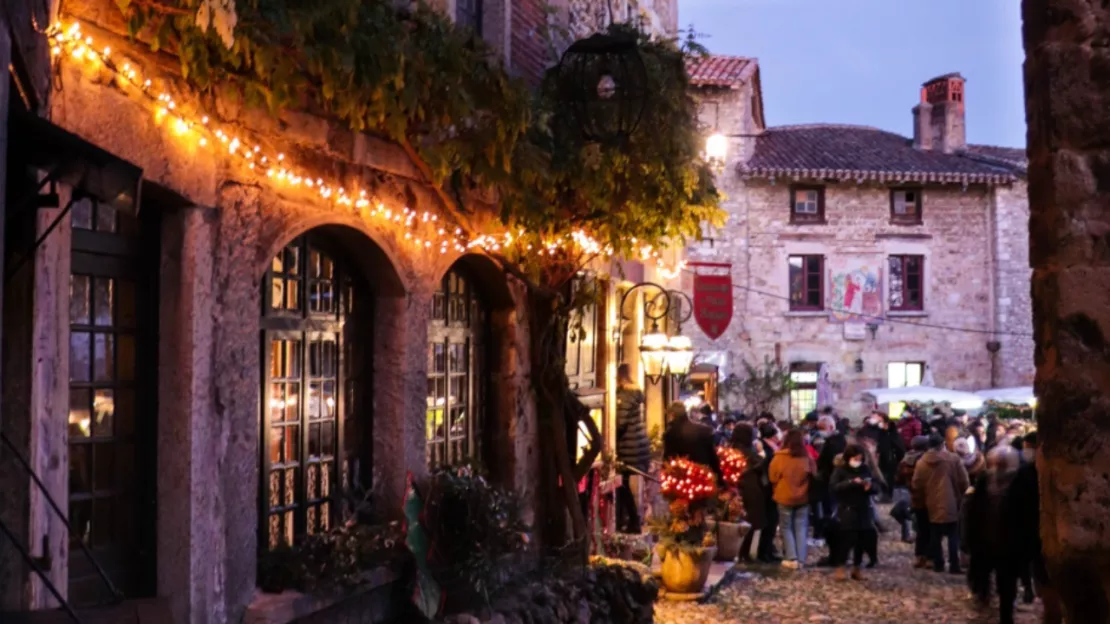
(80,469)
(292,260)
(797,280)
(82,215)
(105,217)
(125,303)
(104,409)
(104,467)
(80,416)
(292,295)
(125,357)
(124,411)
(80,356)
(896,283)
(103,357)
(277,293)
(277,444)
(79,299)
(102,301)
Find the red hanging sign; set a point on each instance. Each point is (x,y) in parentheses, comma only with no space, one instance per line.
(712,297)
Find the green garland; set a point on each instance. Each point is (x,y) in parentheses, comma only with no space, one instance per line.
(414,77)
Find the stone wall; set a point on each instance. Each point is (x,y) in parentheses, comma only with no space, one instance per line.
(957,289)
(1068,113)
(1013,296)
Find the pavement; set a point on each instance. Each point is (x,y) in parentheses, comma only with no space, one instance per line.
(892,592)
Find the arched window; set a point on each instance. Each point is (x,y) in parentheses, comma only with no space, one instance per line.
(456,373)
(316,317)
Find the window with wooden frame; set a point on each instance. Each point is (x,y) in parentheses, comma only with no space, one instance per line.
(803,394)
(807,204)
(456,398)
(907,283)
(316,424)
(112,400)
(905,206)
(583,330)
(807,283)
(468,14)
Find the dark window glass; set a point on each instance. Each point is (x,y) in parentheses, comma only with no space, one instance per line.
(907,283)
(807,279)
(468,14)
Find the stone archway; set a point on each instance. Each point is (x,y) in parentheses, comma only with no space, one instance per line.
(506,435)
(1067,98)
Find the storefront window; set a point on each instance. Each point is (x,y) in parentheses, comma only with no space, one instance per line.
(803,397)
(456,373)
(312,442)
(903,375)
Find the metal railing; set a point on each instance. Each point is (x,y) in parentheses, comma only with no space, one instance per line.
(41,565)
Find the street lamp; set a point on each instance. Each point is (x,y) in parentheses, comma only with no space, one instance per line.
(680,355)
(653,353)
(716,150)
(662,354)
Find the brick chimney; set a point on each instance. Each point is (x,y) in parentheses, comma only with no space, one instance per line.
(938,121)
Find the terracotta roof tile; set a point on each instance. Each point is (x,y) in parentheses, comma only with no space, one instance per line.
(865,153)
(720,71)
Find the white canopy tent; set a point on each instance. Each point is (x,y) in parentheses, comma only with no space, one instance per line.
(1022,395)
(926,394)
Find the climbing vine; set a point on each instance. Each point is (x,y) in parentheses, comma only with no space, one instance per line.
(412,76)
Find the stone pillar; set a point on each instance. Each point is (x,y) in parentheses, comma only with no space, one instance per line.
(400,388)
(1067,95)
(190,534)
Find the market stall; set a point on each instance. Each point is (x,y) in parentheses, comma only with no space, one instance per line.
(1009,403)
(956,399)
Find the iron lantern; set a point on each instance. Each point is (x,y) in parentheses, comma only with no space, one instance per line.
(601,82)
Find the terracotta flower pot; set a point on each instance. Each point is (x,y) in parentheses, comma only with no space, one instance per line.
(684,573)
(729,537)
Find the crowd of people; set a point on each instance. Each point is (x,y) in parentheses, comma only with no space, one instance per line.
(963,492)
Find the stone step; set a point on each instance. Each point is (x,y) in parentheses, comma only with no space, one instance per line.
(138,611)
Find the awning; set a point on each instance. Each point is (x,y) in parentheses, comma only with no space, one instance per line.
(73,161)
(926,394)
(1022,395)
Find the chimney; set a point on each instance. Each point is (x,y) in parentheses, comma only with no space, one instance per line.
(938,121)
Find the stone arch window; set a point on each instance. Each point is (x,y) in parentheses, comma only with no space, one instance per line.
(317,314)
(457,372)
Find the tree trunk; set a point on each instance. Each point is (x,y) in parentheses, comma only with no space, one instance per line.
(558,411)
(1067,98)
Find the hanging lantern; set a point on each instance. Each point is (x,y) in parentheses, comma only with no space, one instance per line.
(680,355)
(601,82)
(716,150)
(653,353)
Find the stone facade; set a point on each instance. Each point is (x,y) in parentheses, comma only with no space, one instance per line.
(210,230)
(972,239)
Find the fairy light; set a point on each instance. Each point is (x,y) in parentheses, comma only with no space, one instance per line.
(200,128)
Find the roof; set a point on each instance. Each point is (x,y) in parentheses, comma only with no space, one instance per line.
(1008,156)
(865,153)
(716,70)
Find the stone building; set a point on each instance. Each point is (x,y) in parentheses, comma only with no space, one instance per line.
(883,257)
(196,362)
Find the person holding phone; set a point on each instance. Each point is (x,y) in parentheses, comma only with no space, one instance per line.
(853,486)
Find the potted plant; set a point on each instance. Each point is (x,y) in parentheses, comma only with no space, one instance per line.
(730,524)
(626,547)
(686,546)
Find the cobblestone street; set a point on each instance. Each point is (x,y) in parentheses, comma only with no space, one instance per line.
(891,592)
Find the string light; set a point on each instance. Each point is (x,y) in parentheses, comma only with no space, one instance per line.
(81,47)
(686,480)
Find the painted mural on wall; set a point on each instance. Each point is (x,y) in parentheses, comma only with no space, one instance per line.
(855,289)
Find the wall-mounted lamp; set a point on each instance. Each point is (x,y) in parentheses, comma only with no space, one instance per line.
(661,354)
(859,365)
(873,328)
(716,151)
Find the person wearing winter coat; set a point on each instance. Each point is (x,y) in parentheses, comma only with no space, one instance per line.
(633,447)
(771,440)
(790,473)
(686,438)
(852,485)
(918,510)
(974,462)
(994,533)
(943,479)
(752,491)
(909,427)
(834,445)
